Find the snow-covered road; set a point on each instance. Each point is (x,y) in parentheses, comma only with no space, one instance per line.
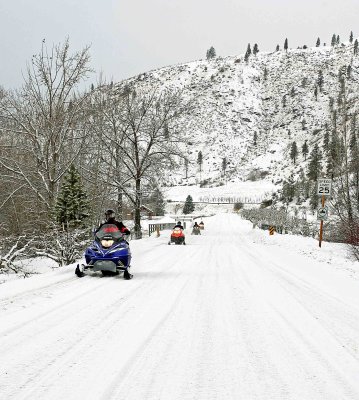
(228,316)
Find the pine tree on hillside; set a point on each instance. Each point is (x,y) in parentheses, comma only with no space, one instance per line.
(320,80)
(326,142)
(72,205)
(200,160)
(304,124)
(277,47)
(338,40)
(186,167)
(248,52)
(355,49)
(318,43)
(211,53)
(255,49)
(224,165)
(314,167)
(188,205)
(286,44)
(351,37)
(334,40)
(294,152)
(265,74)
(305,150)
(255,138)
(288,190)
(316,93)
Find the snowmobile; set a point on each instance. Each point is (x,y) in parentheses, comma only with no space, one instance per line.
(201,225)
(109,253)
(177,236)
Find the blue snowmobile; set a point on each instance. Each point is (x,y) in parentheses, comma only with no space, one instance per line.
(109,253)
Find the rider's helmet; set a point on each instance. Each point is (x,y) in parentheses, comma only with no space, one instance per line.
(109,214)
(179,223)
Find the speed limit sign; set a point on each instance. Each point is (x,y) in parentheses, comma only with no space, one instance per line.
(324,187)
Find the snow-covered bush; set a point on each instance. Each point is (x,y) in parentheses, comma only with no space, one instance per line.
(12,249)
(63,246)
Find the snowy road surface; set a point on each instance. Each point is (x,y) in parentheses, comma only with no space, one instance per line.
(229,316)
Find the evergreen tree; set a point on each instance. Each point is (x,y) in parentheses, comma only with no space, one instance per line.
(320,80)
(277,47)
(318,43)
(224,165)
(186,167)
(265,74)
(211,53)
(255,138)
(333,154)
(338,40)
(284,101)
(355,49)
(353,148)
(304,124)
(326,141)
(313,197)
(255,49)
(316,92)
(314,167)
(200,160)
(288,190)
(293,152)
(351,37)
(158,202)
(188,205)
(286,44)
(334,39)
(72,205)
(248,52)
(305,150)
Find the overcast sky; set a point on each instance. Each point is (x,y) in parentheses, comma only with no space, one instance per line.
(128,37)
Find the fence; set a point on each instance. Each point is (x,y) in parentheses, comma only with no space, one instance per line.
(153,227)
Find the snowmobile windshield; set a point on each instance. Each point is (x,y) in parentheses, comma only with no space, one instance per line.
(109,232)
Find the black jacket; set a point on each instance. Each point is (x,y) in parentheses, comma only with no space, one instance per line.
(119,225)
(178,226)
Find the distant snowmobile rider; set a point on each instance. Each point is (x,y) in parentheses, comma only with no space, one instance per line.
(178,225)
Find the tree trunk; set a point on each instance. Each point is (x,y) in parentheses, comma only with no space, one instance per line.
(138,233)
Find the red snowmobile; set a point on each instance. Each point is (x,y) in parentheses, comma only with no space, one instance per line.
(177,236)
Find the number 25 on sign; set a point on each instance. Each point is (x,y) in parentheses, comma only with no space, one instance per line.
(324,187)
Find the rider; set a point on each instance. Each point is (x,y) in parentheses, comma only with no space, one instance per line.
(110,219)
(196,228)
(178,225)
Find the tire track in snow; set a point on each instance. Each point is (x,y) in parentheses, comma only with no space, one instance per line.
(71,352)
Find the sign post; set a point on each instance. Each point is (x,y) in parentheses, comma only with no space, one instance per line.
(324,189)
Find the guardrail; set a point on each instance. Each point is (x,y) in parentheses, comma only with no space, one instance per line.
(153,227)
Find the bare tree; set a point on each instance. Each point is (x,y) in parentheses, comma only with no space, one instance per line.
(46,122)
(143,137)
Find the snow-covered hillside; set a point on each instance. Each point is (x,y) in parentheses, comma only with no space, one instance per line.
(251,112)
